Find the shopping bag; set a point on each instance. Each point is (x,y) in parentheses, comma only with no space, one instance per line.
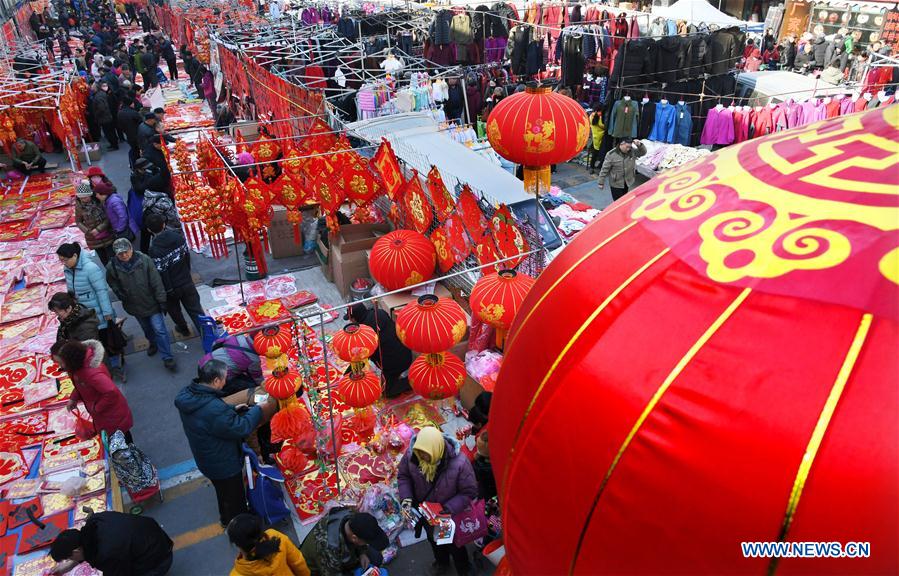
(84,428)
(471,524)
(263,491)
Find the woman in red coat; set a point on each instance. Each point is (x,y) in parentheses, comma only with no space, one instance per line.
(94,386)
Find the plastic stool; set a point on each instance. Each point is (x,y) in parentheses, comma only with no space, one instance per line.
(210,332)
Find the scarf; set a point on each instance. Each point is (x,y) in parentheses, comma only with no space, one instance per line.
(74,315)
(429,441)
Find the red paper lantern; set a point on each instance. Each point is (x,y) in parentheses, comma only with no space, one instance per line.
(292,460)
(437,376)
(496,298)
(355,343)
(292,423)
(283,384)
(713,361)
(537,128)
(273,341)
(402,258)
(359,389)
(431,324)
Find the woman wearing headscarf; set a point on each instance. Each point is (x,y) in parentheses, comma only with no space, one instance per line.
(435,470)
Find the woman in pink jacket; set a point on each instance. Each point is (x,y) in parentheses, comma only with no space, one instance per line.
(94,386)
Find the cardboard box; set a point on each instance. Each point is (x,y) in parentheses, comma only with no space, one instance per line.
(393,302)
(346,267)
(355,237)
(93,152)
(281,238)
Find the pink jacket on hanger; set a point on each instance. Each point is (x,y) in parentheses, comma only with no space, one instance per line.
(846,106)
(779,117)
(860,105)
(634,30)
(741,125)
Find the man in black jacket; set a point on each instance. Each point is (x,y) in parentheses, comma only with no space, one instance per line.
(116,544)
(148,176)
(171,256)
(102,110)
(391,356)
(129,121)
(168,53)
(148,136)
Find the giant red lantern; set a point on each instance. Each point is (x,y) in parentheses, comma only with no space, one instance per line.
(402,258)
(355,343)
(496,298)
(431,324)
(537,128)
(437,376)
(713,361)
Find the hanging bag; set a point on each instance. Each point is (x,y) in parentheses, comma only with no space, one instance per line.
(471,524)
(263,491)
(84,428)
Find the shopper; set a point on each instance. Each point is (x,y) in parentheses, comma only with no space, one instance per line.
(93,386)
(116,211)
(620,166)
(76,322)
(207,82)
(129,120)
(391,356)
(215,430)
(87,282)
(342,541)
(170,254)
(115,543)
(134,279)
(263,552)
(435,470)
(27,157)
(243,362)
(91,219)
(483,470)
(168,54)
(597,131)
(103,115)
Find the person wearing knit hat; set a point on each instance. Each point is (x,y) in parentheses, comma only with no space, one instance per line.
(91,219)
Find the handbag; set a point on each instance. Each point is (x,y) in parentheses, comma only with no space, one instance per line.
(115,338)
(84,428)
(471,524)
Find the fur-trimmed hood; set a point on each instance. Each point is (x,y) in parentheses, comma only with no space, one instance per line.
(95,353)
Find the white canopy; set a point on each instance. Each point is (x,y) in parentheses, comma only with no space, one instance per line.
(695,12)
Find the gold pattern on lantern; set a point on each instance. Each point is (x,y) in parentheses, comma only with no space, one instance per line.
(459,330)
(492,313)
(540,137)
(414,278)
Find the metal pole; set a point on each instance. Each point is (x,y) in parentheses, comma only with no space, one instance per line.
(321,319)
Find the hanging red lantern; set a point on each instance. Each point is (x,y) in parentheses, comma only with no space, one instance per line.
(283,384)
(537,128)
(402,258)
(355,343)
(273,341)
(496,298)
(293,423)
(359,389)
(437,376)
(431,324)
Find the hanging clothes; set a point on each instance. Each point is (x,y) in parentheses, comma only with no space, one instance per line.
(647,118)
(718,128)
(461,35)
(663,126)
(535,58)
(741,125)
(683,124)
(572,60)
(624,119)
(763,122)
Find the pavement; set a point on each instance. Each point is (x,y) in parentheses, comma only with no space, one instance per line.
(188,511)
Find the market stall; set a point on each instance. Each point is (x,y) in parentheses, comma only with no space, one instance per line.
(48,475)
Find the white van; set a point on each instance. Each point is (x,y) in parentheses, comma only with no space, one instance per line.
(764,87)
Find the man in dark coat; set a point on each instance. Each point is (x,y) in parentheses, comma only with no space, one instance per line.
(215,430)
(117,544)
(148,136)
(343,540)
(129,120)
(103,115)
(391,356)
(168,54)
(171,256)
